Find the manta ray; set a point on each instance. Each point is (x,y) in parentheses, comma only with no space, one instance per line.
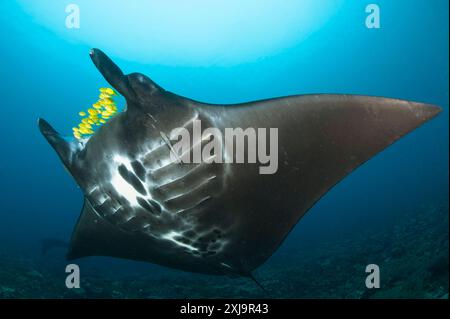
(215,218)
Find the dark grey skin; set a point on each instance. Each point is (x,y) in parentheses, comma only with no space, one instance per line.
(222,219)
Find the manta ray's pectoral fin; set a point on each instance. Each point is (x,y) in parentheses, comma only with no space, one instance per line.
(321,139)
(91,235)
(64,147)
(95,236)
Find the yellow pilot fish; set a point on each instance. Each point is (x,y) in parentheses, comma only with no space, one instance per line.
(101,111)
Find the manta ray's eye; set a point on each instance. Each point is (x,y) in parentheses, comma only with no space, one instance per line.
(101,111)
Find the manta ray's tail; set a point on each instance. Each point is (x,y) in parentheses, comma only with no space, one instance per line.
(250,275)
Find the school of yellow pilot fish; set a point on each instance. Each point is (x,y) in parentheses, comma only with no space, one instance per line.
(101,111)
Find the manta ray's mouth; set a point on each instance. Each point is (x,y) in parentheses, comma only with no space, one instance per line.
(101,111)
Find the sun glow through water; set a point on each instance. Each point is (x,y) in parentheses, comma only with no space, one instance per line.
(197,32)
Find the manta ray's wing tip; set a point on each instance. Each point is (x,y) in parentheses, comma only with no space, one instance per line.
(424,112)
(410,113)
(427,111)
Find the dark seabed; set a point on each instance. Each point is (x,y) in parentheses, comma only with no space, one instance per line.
(413,252)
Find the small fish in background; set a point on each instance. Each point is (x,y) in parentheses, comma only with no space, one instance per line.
(48,244)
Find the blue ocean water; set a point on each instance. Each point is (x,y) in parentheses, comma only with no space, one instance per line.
(46,72)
